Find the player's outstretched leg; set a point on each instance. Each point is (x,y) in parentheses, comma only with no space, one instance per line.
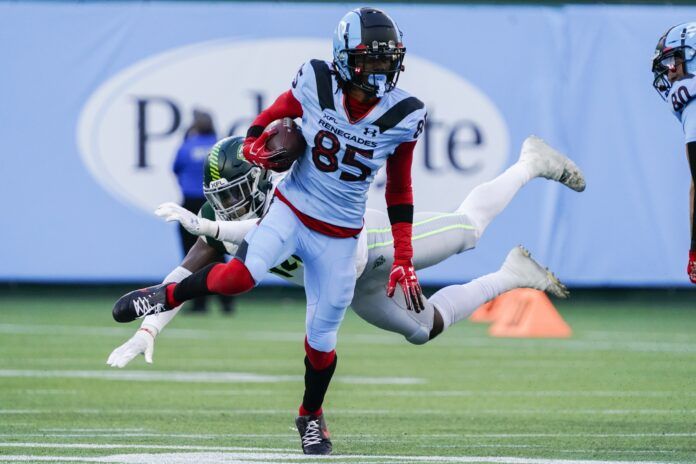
(142,302)
(537,159)
(529,274)
(231,278)
(519,270)
(551,164)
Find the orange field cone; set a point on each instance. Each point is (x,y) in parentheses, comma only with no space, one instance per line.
(494,309)
(527,313)
(483,313)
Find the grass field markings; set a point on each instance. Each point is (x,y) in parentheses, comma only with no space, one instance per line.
(657,336)
(197,376)
(71,330)
(350,411)
(46,391)
(533,394)
(105,446)
(98,429)
(169,412)
(478,445)
(574,345)
(346,338)
(197,436)
(383,438)
(561,435)
(521,344)
(468,393)
(274,457)
(362,339)
(250,392)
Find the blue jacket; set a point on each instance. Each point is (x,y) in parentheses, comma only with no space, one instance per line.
(188,165)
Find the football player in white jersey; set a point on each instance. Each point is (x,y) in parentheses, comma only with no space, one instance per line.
(354,120)
(674,70)
(238,194)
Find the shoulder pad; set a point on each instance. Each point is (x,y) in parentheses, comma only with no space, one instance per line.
(314,82)
(407,115)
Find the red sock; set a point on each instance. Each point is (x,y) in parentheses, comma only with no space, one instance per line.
(304,412)
(232,278)
(319,360)
(319,368)
(171,301)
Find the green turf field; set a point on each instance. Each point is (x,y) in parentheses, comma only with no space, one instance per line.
(622,389)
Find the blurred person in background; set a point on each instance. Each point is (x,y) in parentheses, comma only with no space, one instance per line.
(188,168)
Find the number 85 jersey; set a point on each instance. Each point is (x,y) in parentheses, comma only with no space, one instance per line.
(330,181)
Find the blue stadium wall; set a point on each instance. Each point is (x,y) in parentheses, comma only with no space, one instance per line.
(95,98)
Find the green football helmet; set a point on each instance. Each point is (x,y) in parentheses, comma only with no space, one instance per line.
(234,188)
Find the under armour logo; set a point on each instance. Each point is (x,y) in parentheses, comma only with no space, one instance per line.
(370,131)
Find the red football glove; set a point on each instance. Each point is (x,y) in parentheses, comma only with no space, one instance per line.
(691,267)
(403,273)
(256,152)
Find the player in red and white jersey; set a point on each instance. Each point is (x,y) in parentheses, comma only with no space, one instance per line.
(355,121)
(238,194)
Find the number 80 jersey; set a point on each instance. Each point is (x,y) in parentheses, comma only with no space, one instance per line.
(329,182)
(681,101)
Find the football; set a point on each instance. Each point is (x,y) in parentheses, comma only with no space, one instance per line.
(287,136)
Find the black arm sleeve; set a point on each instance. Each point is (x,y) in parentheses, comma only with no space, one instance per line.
(691,154)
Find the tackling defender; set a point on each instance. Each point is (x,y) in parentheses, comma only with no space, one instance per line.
(673,68)
(238,193)
(354,120)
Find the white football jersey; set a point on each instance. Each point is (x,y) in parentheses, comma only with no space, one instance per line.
(681,100)
(292,268)
(329,182)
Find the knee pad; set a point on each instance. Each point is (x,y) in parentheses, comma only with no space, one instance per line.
(419,337)
(232,278)
(319,360)
(340,293)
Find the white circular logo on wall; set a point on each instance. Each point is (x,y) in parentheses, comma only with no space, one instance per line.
(131,127)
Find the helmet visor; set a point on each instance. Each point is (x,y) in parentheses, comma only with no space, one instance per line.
(368,66)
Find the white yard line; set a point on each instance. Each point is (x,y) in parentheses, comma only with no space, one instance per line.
(196,376)
(45,391)
(122,435)
(360,412)
(364,412)
(487,393)
(94,446)
(139,432)
(381,392)
(591,343)
(92,430)
(264,455)
(71,330)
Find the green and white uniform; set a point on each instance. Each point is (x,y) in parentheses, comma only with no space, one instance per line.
(436,237)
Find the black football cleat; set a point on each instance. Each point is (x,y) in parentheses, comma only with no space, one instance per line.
(142,302)
(314,434)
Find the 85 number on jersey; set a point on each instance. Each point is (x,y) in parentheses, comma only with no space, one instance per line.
(325,156)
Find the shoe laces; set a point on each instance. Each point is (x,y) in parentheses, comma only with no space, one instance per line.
(312,435)
(143,306)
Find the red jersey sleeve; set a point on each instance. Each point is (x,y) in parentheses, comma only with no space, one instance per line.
(399,196)
(286,105)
